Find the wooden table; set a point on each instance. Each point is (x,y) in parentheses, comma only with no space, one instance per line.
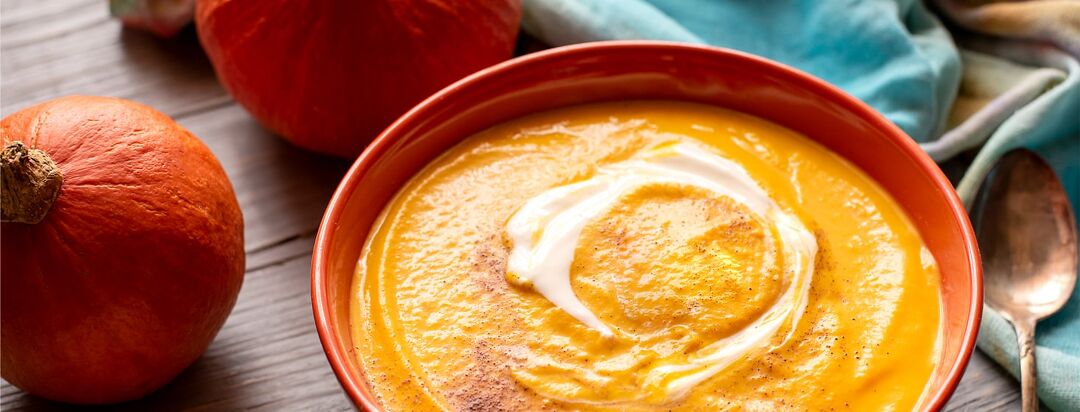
(268,356)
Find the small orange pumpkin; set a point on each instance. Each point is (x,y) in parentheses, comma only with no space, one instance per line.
(329,75)
(123,249)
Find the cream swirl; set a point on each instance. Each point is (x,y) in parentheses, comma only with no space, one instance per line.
(545,232)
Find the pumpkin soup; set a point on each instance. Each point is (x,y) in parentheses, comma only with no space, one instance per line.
(644,256)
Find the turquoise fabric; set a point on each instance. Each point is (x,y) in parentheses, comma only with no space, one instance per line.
(1050,125)
(896,56)
(893,55)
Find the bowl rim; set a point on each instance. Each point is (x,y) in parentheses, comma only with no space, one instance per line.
(320,298)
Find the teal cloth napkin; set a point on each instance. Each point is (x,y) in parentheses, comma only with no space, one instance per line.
(898,57)
(1050,125)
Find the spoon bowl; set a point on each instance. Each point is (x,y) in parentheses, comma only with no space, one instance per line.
(1027,235)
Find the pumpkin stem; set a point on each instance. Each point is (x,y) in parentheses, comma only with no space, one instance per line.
(29,183)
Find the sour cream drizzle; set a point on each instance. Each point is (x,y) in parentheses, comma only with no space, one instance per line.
(545,232)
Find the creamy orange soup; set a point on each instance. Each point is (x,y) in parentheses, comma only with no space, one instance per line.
(644,255)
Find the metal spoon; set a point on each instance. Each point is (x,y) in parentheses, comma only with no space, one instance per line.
(1027,236)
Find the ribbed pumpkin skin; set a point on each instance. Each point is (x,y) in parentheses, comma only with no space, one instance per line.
(135,267)
(330,75)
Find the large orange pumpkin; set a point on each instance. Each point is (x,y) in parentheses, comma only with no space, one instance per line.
(329,75)
(122,247)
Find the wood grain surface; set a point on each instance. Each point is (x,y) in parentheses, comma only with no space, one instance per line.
(267,357)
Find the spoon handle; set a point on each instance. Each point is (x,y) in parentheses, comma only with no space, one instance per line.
(1025,334)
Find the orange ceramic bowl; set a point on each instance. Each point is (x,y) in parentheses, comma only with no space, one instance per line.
(627,70)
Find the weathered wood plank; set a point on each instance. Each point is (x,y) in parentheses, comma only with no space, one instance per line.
(985,387)
(282,190)
(67,47)
(51,19)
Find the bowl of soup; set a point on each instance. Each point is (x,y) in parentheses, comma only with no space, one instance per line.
(645,226)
